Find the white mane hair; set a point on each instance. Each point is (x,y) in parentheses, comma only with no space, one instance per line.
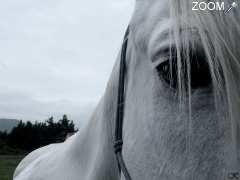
(154,125)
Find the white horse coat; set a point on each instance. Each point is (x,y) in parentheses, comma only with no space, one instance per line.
(196,140)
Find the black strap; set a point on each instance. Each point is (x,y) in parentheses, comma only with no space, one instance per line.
(120,111)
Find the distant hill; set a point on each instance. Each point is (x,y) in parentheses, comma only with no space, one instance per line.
(8,124)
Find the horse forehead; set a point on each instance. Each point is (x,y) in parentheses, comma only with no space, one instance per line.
(152,25)
(156,35)
(151,9)
(150,16)
(148,29)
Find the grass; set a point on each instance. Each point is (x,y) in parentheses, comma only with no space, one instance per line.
(8,164)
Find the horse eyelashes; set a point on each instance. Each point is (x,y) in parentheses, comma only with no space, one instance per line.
(168,73)
(198,68)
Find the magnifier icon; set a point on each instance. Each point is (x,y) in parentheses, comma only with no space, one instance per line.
(233,5)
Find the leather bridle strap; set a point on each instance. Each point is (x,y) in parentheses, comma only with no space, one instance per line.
(118,139)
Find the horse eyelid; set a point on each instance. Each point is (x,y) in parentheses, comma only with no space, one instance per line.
(162,55)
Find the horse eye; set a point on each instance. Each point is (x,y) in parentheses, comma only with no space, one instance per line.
(167,71)
(200,76)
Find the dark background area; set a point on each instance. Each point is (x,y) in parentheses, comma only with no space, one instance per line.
(17,142)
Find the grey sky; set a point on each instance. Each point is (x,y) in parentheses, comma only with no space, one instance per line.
(56,56)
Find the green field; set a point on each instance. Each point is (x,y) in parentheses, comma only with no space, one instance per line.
(8,163)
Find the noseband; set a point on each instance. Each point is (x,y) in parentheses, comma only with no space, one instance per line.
(118,139)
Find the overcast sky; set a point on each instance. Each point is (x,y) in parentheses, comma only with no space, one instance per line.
(56,55)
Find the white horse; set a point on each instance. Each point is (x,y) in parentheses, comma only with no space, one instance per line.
(182,102)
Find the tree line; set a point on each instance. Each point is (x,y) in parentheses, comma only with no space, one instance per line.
(27,136)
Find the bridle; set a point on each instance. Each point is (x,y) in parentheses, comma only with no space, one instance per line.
(118,139)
